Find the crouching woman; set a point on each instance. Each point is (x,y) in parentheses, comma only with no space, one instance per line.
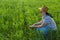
(47,25)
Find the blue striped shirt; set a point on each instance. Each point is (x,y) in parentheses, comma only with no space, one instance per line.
(49,21)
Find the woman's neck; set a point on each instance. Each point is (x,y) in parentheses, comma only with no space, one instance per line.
(44,14)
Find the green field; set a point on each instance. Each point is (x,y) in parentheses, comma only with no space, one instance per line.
(17,15)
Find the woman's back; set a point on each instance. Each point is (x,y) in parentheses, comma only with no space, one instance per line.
(50,22)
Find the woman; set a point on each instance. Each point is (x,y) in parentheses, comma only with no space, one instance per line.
(46,24)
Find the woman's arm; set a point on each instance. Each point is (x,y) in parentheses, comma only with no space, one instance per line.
(41,25)
(38,23)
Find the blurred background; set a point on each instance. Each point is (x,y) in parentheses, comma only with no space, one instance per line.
(17,15)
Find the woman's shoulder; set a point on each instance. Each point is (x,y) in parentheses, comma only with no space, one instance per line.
(47,17)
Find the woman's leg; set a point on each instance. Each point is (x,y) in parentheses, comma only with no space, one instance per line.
(44,31)
(54,35)
(51,35)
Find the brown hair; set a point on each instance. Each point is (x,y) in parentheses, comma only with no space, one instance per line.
(45,8)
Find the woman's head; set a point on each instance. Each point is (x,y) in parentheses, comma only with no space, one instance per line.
(43,9)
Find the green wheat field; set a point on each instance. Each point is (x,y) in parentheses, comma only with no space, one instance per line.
(17,15)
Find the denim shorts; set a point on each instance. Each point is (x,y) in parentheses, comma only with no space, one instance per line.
(43,30)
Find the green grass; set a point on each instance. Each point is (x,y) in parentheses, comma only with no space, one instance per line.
(17,15)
